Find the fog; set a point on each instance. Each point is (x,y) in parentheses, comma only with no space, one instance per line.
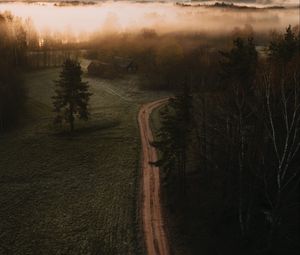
(261,2)
(108,17)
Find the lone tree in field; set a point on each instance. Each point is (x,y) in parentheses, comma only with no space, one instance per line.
(72,95)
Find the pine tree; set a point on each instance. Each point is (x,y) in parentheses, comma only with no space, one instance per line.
(174,134)
(238,66)
(72,95)
(285,48)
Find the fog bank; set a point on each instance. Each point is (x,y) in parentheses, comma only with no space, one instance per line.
(163,17)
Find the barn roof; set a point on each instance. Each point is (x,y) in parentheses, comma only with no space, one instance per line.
(123,62)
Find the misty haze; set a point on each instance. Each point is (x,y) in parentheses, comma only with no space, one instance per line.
(149,127)
(126,16)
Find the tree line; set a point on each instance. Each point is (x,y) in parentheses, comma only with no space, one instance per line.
(22,48)
(234,122)
(12,60)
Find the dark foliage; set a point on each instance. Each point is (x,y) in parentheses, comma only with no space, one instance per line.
(242,152)
(72,95)
(174,134)
(12,60)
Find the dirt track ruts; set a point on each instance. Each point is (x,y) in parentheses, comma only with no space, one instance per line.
(153,225)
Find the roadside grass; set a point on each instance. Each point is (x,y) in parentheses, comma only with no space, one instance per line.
(78,194)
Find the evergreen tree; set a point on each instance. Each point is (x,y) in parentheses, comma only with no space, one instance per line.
(285,48)
(173,136)
(72,95)
(239,64)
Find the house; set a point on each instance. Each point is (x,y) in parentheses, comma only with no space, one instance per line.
(102,69)
(125,64)
(113,68)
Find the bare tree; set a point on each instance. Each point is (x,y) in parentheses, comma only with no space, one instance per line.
(283,118)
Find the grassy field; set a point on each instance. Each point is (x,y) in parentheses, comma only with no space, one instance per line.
(62,194)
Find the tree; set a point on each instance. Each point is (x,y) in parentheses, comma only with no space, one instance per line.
(281,94)
(174,134)
(72,95)
(284,48)
(238,71)
(283,124)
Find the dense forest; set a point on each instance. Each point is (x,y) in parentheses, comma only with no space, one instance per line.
(229,148)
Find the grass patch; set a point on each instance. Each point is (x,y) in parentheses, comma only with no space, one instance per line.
(78,194)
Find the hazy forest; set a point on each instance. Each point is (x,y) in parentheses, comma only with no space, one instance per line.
(147,127)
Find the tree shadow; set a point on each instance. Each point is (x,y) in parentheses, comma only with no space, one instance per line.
(87,129)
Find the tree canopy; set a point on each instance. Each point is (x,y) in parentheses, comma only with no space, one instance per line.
(72,94)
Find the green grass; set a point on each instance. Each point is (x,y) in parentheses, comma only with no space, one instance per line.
(63,194)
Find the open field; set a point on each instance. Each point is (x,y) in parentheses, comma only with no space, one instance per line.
(77,194)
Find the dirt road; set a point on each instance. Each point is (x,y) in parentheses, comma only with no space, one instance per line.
(154,231)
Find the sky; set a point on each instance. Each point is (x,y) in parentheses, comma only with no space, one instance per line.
(128,16)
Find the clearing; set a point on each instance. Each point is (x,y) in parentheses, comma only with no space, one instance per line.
(77,194)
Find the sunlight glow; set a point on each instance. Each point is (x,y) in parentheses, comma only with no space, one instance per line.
(132,16)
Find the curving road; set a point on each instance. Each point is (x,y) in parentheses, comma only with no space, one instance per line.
(153,225)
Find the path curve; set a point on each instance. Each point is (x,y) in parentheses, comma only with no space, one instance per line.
(153,225)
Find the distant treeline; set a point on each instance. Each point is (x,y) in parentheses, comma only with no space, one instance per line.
(45,58)
(22,49)
(231,6)
(12,60)
(163,59)
(74,3)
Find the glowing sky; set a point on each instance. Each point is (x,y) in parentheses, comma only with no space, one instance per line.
(164,17)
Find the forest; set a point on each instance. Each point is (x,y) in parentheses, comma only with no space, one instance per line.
(230,150)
